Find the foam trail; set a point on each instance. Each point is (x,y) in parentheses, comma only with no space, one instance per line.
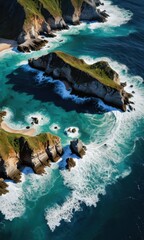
(117,17)
(104,162)
(12,205)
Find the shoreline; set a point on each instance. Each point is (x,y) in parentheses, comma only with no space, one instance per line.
(6,44)
(28,132)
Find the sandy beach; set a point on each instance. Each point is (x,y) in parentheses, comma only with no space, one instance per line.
(28,132)
(7,44)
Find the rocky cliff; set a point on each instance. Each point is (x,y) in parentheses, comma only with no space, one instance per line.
(96,80)
(37,152)
(26,20)
(17,151)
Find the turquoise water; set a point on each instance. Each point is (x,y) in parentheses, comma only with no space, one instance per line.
(62,204)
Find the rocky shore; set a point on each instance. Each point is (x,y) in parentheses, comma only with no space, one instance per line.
(31,19)
(96,80)
(18,150)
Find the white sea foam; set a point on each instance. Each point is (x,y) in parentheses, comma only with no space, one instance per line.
(71,134)
(9,120)
(104,162)
(24,62)
(9,113)
(55,127)
(42,119)
(12,205)
(32,187)
(66,94)
(117,16)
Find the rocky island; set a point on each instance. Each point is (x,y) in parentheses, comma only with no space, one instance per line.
(96,80)
(28,20)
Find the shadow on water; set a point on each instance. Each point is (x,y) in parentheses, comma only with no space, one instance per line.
(25,81)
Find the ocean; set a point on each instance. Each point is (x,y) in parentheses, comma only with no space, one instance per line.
(102,198)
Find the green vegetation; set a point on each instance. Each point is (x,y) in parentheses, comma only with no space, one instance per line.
(10,142)
(32,9)
(97,71)
(77,3)
(53,6)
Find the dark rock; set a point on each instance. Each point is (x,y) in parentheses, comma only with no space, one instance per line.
(131,86)
(133,92)
(124,84)
(78,148)
(73,130)
(35,120)
(3,187)
(131,102)
(2,115)
(51,35)
(130,107)
(27,127)
(70,163)
(32,45)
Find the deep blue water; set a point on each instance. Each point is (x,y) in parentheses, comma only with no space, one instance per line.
(119,214)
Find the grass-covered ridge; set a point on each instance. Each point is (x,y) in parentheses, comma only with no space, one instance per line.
(31,7)
(95,70)
(53,6)
(10,142)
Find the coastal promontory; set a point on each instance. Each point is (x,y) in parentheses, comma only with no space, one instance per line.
(27,20)
(95,80)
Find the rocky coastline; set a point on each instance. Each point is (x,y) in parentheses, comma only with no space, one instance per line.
(32,20)
(18,151)
(96,80)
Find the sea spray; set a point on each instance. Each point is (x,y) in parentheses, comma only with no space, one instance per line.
(104,163)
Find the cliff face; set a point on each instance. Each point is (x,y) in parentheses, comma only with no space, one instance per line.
(27,19)
(96,80)
(11,19)
(18,150)
(37,152)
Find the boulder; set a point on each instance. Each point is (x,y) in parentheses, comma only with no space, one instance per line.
(70,163)
(78,148)
(35,120)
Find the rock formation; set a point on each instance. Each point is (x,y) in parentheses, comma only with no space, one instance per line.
(37,152)
(70,163)
(78,148)
(17,151)
(96,80)
(26,20)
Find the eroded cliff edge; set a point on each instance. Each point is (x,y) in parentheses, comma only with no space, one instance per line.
(18,151)
(96,80)
(26,20)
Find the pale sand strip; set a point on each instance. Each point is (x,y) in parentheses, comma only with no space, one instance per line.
(28,132)
(7,44)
